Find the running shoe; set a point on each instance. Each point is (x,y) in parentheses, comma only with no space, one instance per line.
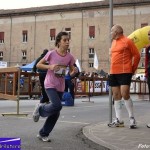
(132,123)
(43,138)
(148,125)
(36,114)
(116,123)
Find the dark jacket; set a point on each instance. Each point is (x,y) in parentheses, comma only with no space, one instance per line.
(147,61)
(38,59)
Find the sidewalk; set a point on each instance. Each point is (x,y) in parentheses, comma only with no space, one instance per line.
(123,138)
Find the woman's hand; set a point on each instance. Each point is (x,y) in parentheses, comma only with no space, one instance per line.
(54,67)
(74,71)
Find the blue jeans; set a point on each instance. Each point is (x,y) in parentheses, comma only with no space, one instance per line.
(148,83)
(51,111)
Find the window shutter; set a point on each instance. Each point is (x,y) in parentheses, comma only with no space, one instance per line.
(24,32)
(68,29)
(92,31)
(144,24)
(1,35)
(52,32)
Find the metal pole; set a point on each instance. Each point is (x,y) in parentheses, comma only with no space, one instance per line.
(18,92)
(10,41)
(34,38)
(110,25)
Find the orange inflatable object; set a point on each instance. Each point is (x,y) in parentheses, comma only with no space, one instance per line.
(140,37)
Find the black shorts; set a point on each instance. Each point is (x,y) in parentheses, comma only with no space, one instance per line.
(120,79)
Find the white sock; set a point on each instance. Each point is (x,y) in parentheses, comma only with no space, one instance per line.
(129,107)
(118,109)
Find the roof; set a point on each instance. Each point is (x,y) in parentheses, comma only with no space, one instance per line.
(28,67)
(70,7)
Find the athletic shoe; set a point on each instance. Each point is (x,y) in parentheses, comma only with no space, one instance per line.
(36,114)
(148,125)
(116,123)
(43,138)
(132,123)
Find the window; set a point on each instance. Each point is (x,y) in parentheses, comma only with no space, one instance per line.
(1,37)
(25,35)
(24,54)
(142,65)
(91,32)
(24,64)
(68,50)
(143,52)
(142,62)
(68,30)
(52,34)
(91,65)
(91,52)
(144,24)
(1,55)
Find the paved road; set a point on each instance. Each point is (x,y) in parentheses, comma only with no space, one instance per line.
(123,138)
(67,134)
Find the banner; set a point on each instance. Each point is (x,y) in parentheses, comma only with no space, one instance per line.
(98,86)
(95,61)
(3,64)
(78,65)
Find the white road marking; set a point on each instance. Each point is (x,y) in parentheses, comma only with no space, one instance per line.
(71,122)
(76,107)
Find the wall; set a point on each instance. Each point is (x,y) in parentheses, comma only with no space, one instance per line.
(39,26)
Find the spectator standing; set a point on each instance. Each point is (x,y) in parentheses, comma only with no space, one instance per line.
(42,75)
(124,57)
(147,67)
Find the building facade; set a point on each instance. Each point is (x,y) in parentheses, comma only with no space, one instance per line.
(24,33)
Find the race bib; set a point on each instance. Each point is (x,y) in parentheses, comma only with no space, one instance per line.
(61,72)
